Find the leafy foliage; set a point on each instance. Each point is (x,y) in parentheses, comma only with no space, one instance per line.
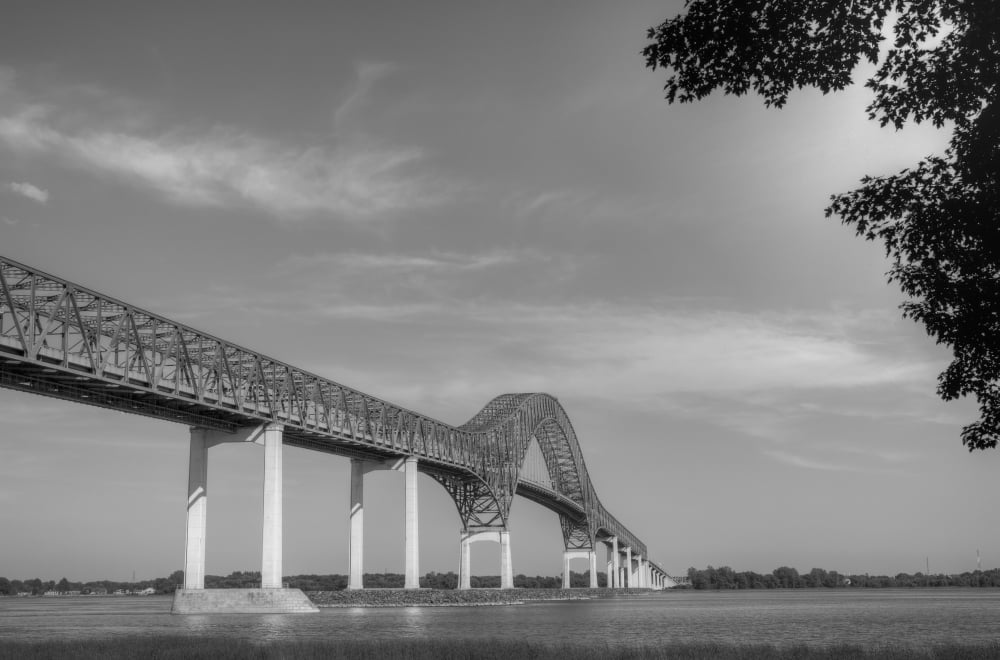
(312,582)
(937,220)
(785,577)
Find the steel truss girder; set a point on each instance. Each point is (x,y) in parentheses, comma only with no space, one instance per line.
(477,506)
(577,534)
(63,340)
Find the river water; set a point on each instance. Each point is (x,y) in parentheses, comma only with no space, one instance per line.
(910,617)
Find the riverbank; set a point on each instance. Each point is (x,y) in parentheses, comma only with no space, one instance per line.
(456,597)
(128,648)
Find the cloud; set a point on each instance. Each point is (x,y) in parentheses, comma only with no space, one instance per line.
(725,364)
(802,462)
(870,461)
(435,261)
(673,354)
(224,166)
(401,284)
(35,193)
(369,74)
(701,350)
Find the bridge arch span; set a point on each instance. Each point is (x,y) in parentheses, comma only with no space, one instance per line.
(505,427)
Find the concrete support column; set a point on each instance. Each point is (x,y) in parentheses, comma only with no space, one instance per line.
(611,574)
(465,567)
(628,568)
(591,558)
(412,541)
(506,563)
(197,511)
(268,435)
(270,571)
(615,583)
(500,536)
(355,579)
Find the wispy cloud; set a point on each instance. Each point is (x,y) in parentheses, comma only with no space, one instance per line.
(654,359)
(865,462)
(404,283)
(692,350)
(225,166)
(435,261)
(672,355)
(30,191)
(369,74)
(808,463)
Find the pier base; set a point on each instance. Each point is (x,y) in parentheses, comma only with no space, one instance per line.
(241,601)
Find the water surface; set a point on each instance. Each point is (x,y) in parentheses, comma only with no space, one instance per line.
(908,617)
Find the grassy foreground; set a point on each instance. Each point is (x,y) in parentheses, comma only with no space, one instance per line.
(163,648)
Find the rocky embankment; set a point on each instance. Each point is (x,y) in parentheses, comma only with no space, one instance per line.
(452,597)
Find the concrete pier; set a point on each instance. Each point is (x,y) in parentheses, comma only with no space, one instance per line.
(197,511)
(496,535)
(589,555)
(271,556)
(506,562)
(359,468)
(271,597)
(412,537)
(614,578)
(357,540)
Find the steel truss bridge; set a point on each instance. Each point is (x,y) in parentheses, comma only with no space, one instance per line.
(62,340)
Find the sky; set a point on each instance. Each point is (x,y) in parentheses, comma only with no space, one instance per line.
(440,202)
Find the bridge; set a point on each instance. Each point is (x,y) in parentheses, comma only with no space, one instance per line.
(62,340)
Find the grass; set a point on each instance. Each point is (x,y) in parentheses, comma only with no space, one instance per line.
(177,647)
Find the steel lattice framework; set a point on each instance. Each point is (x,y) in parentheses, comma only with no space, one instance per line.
(62,340)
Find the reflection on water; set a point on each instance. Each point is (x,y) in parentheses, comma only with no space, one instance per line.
(413,622)
(868,617)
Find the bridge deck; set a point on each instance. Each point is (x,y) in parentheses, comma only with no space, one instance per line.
(62,340)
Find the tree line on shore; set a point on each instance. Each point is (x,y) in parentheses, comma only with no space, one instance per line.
(722,577)
(785,577)
(251,579)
